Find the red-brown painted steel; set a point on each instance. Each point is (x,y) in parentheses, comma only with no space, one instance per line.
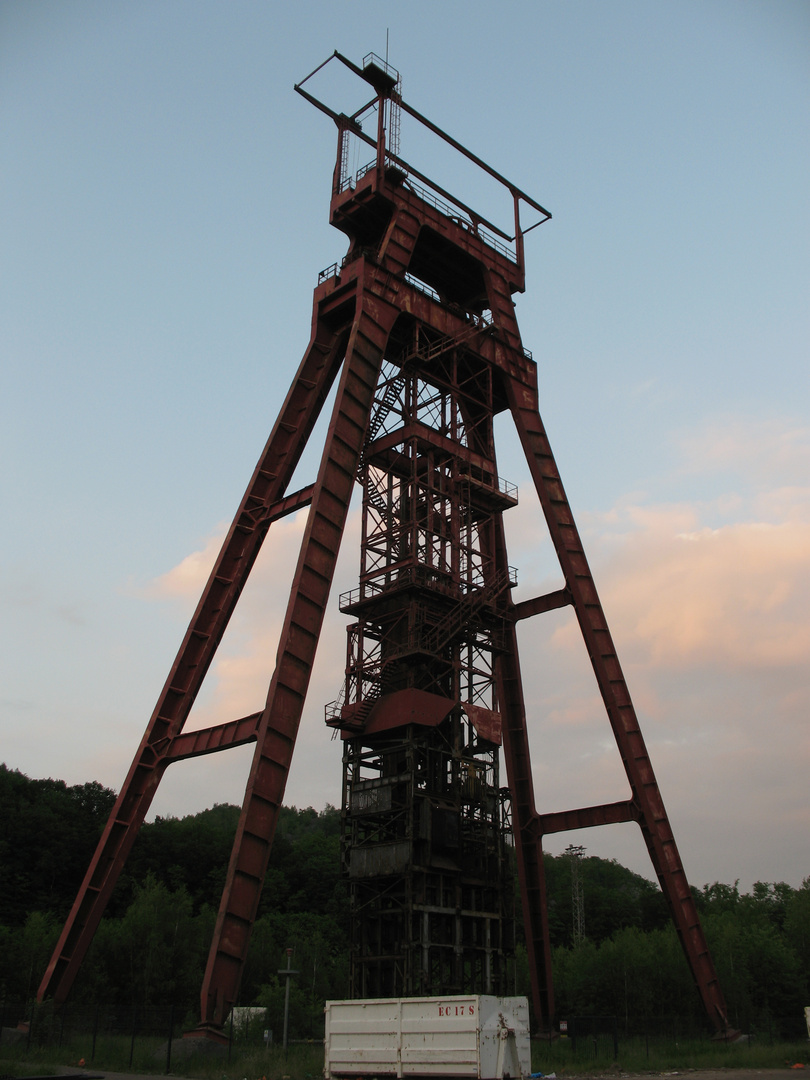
(278,726)
(528,837)
(647,804)
(259,506)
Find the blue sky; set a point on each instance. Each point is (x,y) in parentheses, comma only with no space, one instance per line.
(163,211)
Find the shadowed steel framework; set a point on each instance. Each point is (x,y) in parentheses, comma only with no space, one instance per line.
(415,332)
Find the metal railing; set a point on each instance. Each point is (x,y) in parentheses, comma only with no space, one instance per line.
(444,208)
(329,272)
(465,222)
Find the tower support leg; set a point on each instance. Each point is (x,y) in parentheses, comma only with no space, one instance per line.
(261,503)
(361,338)
(278,726)
(646,805)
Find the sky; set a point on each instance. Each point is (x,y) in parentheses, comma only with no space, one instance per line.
(164,201)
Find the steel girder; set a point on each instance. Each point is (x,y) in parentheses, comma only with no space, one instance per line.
(352,321)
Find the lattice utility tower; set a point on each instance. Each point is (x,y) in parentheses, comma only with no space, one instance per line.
(575,853)
(417,329)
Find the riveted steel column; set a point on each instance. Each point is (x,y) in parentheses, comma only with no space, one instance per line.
(278,727)
(236,558)
(646,797)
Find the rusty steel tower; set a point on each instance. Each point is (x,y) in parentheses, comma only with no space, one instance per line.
(425,822)
(415,332)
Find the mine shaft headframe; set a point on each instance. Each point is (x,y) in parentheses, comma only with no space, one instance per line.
(385,81)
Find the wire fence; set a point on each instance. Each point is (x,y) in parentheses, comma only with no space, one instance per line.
(641,1042)
(149,1039)
(127,1038)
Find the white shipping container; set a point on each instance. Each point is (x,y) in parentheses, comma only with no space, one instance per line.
(470,1035)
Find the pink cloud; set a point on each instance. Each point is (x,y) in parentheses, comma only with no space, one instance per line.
(240,675)
(709,605)
(735,595)
(188,577)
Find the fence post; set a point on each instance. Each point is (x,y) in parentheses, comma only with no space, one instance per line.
(95,1032)
(169,1045)
(615,1039)
(134,1027)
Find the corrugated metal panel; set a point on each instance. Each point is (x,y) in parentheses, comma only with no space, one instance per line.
(380,860)
(469,1036)
(370,800)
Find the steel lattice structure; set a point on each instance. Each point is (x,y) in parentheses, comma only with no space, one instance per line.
(425,823)
(416,333)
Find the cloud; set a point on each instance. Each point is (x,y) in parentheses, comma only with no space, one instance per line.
(684,586)
(738,595)
(188,578)
(240,675)
(239,678)
(774,452)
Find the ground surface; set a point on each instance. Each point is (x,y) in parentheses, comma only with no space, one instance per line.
(684,1074)
(695,1074)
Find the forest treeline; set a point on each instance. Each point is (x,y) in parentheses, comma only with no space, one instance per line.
(151,947)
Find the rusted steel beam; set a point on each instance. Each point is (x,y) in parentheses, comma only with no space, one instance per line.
(528,837)
(652,817)
(263,498)
(190,744)
(290,504)
(278,727)
(587,817)
(539,604)
(512,188)
(385,91)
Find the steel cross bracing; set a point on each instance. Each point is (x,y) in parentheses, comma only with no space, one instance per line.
(421,278)
(424,822)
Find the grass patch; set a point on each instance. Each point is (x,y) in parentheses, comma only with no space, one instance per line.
(305,1061)
(300,1063)
(638,1055)
(148,1057)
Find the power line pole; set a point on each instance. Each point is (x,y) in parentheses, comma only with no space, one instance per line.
(287,973)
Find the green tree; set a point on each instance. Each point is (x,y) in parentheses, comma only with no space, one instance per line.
(797,929)
(48,833)
(190,852)
(24,954)
(152,954)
